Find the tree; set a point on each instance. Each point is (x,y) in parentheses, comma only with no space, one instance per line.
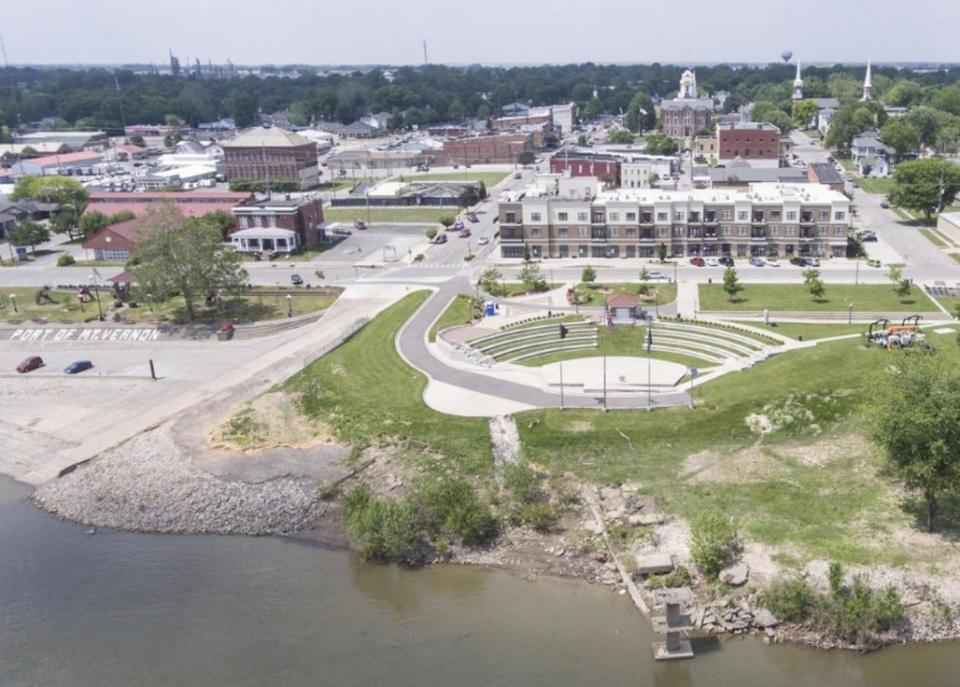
(588,275)
(713,541)
(662,252)
(26,232)
(659,144)
(469,196)
(926,186)
(731,283)
(927,123)
(641,114)
(620,136)
(67,193)
(903,289)
(803,113)
(532,278)
(526,254)
(431,233)
(582,140)
(644,275)
(916,420)
(490,280)
(809,276)
(92,222)
(447,221)
(900,135)
(186,257)
(817,288)
(894,273)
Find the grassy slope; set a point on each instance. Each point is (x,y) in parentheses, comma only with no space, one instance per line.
(826,510)
(459,311)
(366,393)
(597,295)
(430,215)
(813,331)
(795,297)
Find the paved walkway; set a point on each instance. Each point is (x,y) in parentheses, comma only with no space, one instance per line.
(413,347)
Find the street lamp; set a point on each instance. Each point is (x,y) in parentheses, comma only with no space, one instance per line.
(289,305)
(850,313)
(13,301)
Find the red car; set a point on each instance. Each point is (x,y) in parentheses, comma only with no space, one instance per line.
(440,238)
(31,363)
(464,233)
(697,261)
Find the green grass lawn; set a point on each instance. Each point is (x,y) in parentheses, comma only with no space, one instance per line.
(389,215)
(254,306)
(515,288)
(871,185)
(848,165)
(461,310)
(795,297)
(366,393)
(813,331)
(596,293)
(935,237)
(818,502)
(489,179)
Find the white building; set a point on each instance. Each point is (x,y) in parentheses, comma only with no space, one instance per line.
(636,170)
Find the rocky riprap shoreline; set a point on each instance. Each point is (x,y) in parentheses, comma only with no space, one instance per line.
(149,485)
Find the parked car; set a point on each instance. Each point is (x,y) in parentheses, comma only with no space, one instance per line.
(798,261)
(712,262)
(296,279)
(440,238)
(457,226)
(655,275)
(31,363)
(757,262)
(342,231)
(773,262)
(517,175)
(360,224)
(885,205)
(868,236)
(472,216)
(77,367)
(464,233)
(483,241)
(699,262)
(726,261)
(813,262)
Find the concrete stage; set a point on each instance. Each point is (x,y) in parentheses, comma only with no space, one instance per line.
(625,374)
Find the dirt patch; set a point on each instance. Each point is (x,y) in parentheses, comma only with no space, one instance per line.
(824,452)
(579,426)
(748,465)
(272,420)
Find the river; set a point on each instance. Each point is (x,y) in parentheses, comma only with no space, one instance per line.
(133,609)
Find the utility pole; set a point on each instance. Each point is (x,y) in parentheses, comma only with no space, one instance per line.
(425,60)
(604,382)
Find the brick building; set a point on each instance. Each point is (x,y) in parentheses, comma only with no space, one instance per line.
(280,224)
(684,117)
(189,203)
(755,142)
(505,148)
(261,154)
(767,219)
(583,164)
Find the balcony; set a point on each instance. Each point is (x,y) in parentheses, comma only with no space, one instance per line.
(598,235)
(693,218)
(758,219)
(806,218)
(646,219)
(710,219)
(710,235)
(758,234)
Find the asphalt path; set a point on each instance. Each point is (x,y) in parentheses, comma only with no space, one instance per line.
(412,344)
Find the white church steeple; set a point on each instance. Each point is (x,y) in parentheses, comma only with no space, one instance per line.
(867,84)
(798,85)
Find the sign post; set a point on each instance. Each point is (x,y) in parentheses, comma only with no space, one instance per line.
(693,375)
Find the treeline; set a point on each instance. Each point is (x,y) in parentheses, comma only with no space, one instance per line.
(104,98)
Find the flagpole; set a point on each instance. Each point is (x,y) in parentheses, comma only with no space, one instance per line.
(649,378)
(604,382)
(561,381)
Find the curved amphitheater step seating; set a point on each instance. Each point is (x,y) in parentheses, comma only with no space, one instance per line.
(731,346)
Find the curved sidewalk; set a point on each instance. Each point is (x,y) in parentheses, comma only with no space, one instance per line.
(412,345)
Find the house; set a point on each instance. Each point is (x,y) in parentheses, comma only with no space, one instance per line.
(280,224)
(870,155)
(131,152)
(73,140)
(116,242)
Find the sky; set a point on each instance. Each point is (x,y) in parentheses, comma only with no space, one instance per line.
(472,31)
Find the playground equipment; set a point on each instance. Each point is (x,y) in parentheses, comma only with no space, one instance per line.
(904,335)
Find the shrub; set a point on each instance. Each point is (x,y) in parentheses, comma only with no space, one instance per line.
(856,612)
(680,577)
(452,509)
(65,260)
(713,542)
(381,528)
(528,504)
(790,598)
(588,275)
(431,233)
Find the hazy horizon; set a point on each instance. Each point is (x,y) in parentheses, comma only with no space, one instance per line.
(492,32)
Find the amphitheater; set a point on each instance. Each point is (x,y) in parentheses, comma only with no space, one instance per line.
(531,347)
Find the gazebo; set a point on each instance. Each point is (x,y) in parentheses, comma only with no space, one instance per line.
(623,308)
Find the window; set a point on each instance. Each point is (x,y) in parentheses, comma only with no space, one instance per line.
(510,218)
(727,215)
(726,230)
(534,216)
(563,231)
(775,215)
(679,216)
(678,230)
(583,232)
(823,215)
(613,232)
(631,231)
(742,216)
(663,232)
(535,232)
(839,230)
(561,217)
(581,217)
(839,216)
(790,231)
(774,230)
(741,231)
(791,215)
(662,217)
(822,230)
(614,216)
(631,217)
